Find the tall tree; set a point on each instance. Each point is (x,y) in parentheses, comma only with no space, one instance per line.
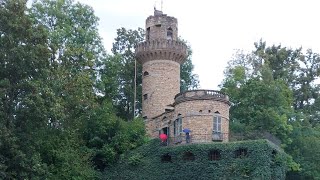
(188,80)
(23,64)
(75,50)
(291,71)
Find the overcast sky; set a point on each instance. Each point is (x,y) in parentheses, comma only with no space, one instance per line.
(216,28)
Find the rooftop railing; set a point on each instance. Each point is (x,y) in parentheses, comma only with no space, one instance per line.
(201,95)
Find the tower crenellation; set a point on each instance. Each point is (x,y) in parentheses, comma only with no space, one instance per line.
(161,49)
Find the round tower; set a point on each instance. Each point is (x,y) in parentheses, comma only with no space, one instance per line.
(160,55)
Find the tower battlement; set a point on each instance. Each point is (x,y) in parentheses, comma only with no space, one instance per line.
(161,49)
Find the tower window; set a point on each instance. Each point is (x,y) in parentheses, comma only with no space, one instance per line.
(177,126)
(169,34)
(145,96)
(214,155)
(217,124)
(146,73)
(148,34)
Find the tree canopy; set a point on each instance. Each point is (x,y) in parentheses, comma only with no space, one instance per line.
(274,89)
(64,101)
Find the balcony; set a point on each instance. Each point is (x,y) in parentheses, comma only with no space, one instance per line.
(201,95)
(197,138)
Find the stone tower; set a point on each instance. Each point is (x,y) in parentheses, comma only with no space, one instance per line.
(160,55)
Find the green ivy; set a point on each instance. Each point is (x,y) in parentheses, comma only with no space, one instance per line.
(262,160)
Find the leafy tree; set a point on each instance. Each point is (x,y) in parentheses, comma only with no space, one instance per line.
(305,150)
(293,76)
(188,80)
(107,136)
(23,54)
(260,103)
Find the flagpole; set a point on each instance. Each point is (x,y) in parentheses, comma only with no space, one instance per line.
(135,88)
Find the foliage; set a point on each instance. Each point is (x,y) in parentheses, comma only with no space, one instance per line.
(188,80)
(274,88)
(263,161)
(305,150)
(118,73)
(107,136)
(23,54)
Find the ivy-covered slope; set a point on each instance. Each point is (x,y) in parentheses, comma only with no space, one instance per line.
(258,159)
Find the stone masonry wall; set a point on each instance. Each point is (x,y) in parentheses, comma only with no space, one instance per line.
(158,26)
(160,86)
(198,117)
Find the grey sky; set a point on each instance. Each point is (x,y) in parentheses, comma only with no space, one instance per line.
(216,28)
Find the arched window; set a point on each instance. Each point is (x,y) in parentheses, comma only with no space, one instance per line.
(217,123)
(169,34)
(148,34)
(177,126)
(146,73)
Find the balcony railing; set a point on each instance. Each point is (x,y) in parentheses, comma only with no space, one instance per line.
(201,95)
(198,138)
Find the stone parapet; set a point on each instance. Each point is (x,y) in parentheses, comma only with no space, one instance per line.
(161,49)
(201,95)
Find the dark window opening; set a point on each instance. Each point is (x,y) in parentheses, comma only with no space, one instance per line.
(146,73)
(148,33)
(209,111)
(188,156)
(145,96)
(169,34)
(274,154)
(145,117)
(158,25)
(166,158)
(241,153)
(200,111)
(217,112)
(214,155)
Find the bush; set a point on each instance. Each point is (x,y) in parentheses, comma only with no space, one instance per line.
(258,159)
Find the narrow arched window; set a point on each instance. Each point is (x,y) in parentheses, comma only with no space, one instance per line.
(148,34)
(146,73)
(169,34)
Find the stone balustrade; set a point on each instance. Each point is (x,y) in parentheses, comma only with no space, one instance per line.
(201,95)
